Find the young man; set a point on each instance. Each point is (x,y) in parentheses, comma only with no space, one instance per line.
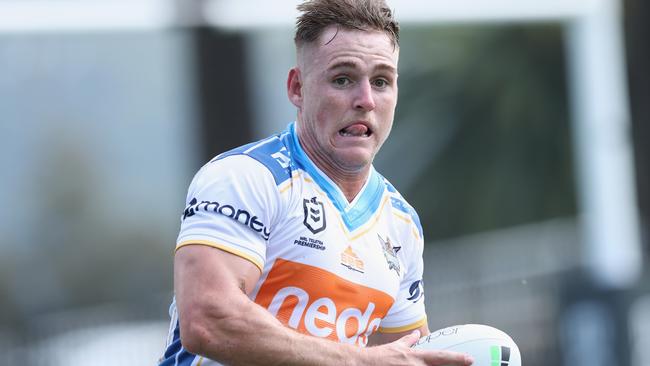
(294,250)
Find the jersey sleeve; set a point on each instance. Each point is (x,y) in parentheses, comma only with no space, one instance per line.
(232,204)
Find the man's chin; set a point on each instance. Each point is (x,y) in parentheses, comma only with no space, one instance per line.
(354,160)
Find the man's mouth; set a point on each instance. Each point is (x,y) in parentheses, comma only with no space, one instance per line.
(355,130)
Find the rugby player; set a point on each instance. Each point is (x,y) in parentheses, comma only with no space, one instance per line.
(294,250)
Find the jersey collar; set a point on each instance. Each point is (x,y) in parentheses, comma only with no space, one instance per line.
(354,213)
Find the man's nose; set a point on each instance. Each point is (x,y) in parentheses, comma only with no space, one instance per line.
(364,99)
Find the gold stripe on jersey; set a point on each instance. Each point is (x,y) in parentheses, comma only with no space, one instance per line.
(374,221)
(289,183)
(225,248)
(407,219)
(404,328)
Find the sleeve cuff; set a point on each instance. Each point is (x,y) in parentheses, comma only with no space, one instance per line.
(225,248)
(404,328)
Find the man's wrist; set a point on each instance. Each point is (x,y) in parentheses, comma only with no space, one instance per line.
(363,356)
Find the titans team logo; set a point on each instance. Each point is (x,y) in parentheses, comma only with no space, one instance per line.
(314,215)
(390,253)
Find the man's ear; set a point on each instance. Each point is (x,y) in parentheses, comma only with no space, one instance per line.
(294,87)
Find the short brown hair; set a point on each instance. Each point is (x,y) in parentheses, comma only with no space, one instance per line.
(351,14)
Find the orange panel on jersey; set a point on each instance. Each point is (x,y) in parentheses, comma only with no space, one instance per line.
(320,303)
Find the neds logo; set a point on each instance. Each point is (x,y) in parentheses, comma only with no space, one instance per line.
(239,215)
(321,318)
(315,301)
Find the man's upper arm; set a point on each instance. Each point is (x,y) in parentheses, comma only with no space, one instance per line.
(209,284)
(201,269)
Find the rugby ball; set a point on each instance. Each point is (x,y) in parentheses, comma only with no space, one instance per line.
(487,345)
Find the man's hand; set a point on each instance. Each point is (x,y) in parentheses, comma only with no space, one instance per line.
(400,352)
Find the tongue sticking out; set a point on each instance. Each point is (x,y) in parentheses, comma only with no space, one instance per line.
(357,129)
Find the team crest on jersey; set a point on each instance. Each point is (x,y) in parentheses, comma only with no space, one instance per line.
(314,215)
(390,253)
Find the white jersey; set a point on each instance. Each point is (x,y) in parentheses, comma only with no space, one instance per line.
(329,268)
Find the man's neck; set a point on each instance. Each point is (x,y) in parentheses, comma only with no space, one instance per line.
(349,182)
(351,186)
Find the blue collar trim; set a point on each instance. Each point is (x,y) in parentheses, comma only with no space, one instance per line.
(364,207)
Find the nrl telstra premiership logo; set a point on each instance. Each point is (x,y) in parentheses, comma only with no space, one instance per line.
(314,215)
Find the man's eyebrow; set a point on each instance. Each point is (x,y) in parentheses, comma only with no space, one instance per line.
(354,65)
(343,65)
(386,67)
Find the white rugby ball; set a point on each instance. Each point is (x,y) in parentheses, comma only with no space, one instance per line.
(487,345)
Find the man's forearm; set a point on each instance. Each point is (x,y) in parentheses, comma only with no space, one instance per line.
(248,334)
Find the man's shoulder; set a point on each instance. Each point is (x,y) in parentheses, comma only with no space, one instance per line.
(399,203)
(271,153)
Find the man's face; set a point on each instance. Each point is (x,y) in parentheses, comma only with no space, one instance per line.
(345,88)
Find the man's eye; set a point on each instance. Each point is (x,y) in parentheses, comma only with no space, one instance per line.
(342,81)
(380,83)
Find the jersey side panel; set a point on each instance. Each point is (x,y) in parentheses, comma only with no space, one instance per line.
(408,312)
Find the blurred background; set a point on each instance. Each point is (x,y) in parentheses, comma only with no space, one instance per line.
(520,138)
